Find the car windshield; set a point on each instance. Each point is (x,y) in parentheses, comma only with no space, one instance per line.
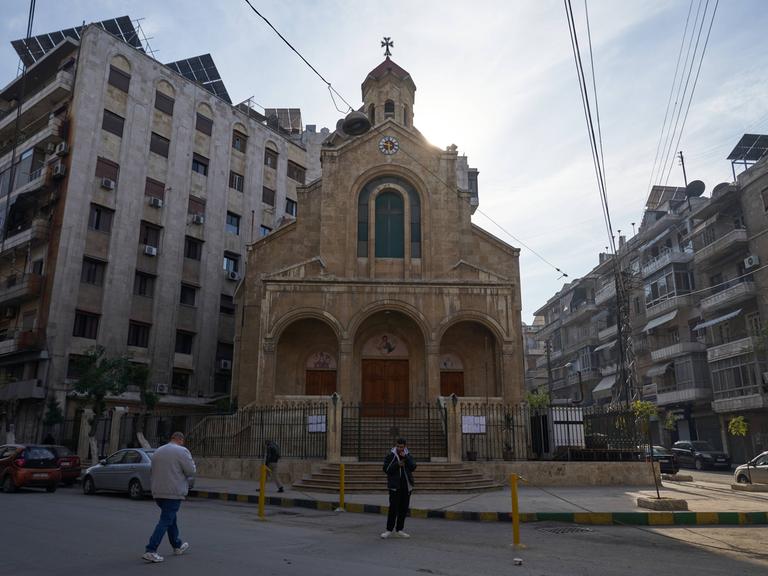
(38,453)
(61,451)
(703,446)
(660,451)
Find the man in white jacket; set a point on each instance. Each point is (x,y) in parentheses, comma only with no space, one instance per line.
(172,466)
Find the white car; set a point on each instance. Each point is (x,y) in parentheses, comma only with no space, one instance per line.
(753,472)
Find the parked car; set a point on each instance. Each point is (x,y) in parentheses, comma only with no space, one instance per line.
(666,458)
(68,462)
(755,471)
(124,471)
(699,454)
(28,465)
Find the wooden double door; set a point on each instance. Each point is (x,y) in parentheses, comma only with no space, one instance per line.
(385,388)
(451,383)
(320,382)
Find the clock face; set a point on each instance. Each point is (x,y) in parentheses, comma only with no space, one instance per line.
(389,145)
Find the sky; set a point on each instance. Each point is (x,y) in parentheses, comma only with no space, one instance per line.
(497,79)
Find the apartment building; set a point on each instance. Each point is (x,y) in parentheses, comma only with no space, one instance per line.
(130,194)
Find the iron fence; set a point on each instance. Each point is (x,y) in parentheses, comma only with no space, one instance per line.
(298,429)
(369,431)
(156,428)
(493,431)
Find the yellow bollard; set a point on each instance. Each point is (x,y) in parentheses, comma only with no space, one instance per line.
(262,489)
(341,486)
(515,512)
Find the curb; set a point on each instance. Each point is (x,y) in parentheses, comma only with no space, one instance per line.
(593,518)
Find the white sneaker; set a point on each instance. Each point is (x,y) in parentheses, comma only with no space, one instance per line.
(386,534)
(181,549)
(152,557)
(403,534)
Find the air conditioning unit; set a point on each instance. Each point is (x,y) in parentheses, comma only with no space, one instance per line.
(150,250)
(62,149)
(162,388)
(108,183)
(59,170)
(198,219)
(751,261)
(225,364)
(232,275)
(155,202)
(10,312)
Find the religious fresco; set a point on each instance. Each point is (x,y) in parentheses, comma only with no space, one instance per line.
(385,346)
(450,362)
(321,361)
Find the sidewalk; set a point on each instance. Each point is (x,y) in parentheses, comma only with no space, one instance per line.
(708,503)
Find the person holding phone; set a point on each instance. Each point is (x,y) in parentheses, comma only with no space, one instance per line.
(398,466)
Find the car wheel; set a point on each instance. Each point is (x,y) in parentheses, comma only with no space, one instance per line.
(699,464)
(51,488)
(135,490)
(742,479)
(8,485)
(88,486)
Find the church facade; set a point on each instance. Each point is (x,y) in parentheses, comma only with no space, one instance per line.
(382,289)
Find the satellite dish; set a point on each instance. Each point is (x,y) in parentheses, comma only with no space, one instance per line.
(356,123)
(695,189)
(721,188)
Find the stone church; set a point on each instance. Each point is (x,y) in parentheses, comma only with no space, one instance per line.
(382,289)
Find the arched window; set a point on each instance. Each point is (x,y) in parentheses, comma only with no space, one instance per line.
(363,224)
(389,109)
(390,231)
(372,114)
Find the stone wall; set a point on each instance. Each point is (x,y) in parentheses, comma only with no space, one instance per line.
(572,473)
(248,468)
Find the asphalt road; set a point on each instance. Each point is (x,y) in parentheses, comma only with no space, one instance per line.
(715,476)
(69,533)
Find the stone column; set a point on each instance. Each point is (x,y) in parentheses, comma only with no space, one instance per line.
(85,428)
(512,374)
(346,361)
(453,430)
(433,371)
(266,386)
(114,430)
(333,429)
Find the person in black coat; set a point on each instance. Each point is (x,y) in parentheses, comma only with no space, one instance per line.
(398,466)
(271,458)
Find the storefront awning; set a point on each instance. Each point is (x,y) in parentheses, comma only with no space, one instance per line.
(658,369)
(656,322)
(606,346)
(604,387)
(715,321)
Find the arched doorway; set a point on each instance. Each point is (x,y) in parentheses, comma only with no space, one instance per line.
(469,361)
(306,359)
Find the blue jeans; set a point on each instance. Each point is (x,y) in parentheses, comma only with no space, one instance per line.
(167,523)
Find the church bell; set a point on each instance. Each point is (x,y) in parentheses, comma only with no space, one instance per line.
(356,123)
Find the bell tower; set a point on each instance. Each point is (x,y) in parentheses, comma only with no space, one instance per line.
(389,91)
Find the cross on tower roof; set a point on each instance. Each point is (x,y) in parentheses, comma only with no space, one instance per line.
(387,43)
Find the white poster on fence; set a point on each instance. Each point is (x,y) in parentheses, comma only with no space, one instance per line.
(316,423)
(473,424)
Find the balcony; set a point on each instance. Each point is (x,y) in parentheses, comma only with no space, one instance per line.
(731,349)
(21,390)
(15,290)
(677,349)
(585,310)
(681,396)
(665,259)
(608,370)
(38,133)
(608,333)
(549,329)
(21,341)
(586,376)
(722,246)
(752,401)
(36,233)
(674,303)
(730,296)
(40,100)
(607,292)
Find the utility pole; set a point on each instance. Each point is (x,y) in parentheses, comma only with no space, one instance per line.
(682,163)
(549,369)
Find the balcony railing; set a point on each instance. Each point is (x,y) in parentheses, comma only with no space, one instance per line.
(605,293)
(673,303)
(15,290)
(734,238)
(748,398)
(731,295)
(52,91)
(731,349)
(586,376)
(669,351)
(666,258)
(608,333)
(583,310)
(36,231)
(21,341)
(685,395)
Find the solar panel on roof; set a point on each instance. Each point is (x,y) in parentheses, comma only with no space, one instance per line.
(201,69)
(38,46)
(751,148)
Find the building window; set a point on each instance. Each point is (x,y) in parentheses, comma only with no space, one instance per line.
(184,342)
(37,266)
(100,219)
(74,363)
(200,164)
(180,382)
(270,158)
(268,196)
(233,223)
(150,235)
(231,262)
(203,124)
(264,230)
(227,305)
(236,181)
(86,325)
(193,248)
(107,169)
(119,79)
(290,207)
(196,206)
(188,295)
(164,103)
(112,123)
(389,225)
(392,220)
(239,140)
(389,109)
(154,189)
(138,334)
(296,172)
(159,145)
(93,272)
(144,284)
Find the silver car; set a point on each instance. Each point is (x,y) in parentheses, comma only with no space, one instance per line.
(126,470)
(753,472)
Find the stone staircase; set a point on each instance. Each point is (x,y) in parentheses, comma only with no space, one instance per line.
(369,477)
